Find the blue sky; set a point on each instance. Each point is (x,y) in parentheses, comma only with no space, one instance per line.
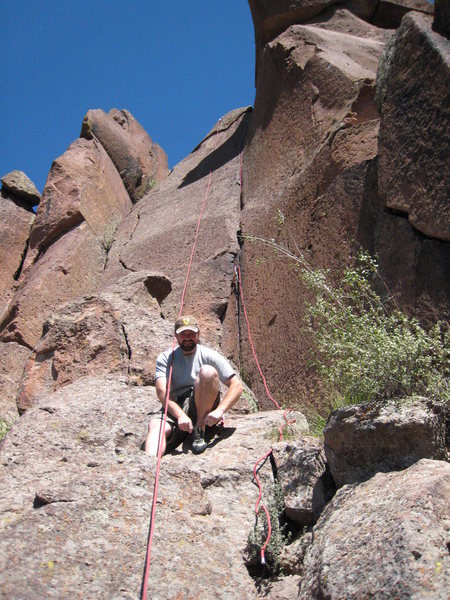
(176,65)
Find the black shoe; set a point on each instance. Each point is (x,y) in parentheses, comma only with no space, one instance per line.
(198,443)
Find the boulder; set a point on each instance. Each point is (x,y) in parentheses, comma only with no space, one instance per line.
(12,361)
(78,453)
(70,268)
(363,439)
(82,185)
(441,22)
(160,231)
(15,225)
(413,177)
(19,185)
(140,162)
(119,331)
(304,479)
(386,538)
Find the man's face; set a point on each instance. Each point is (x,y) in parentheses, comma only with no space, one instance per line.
(187,340)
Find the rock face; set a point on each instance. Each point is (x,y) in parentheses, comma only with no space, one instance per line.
(84,459)
(413,178)
(12,359)
(119,331)
(140,162)
(313,198)
(328,160)
(69,269)
(83,185)
(83,201)
(386,436)
(160,231)
(370,541)
(327,192)
(15,226)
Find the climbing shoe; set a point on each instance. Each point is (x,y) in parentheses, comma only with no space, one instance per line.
(198,443)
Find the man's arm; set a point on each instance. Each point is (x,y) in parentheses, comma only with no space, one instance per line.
(184,422)
(232,395)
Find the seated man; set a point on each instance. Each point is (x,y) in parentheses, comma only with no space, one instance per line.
(194,399)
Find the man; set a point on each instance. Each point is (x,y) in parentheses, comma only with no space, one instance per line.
(194,399)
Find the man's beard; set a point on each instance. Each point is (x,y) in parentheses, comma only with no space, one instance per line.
(188,346)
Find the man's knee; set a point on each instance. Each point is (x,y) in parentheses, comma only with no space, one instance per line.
(208,374)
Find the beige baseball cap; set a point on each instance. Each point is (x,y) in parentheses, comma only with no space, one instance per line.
(186,323)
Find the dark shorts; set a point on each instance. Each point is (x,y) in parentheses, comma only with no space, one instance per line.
(187,403)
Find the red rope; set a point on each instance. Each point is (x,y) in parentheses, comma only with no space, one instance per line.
(280,429)
(162,427)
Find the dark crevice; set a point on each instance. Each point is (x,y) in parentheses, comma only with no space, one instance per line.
(129,352)
(125,266)
(22,260)
(40,501)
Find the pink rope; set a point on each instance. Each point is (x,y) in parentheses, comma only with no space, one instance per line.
(162,426)
(280,429)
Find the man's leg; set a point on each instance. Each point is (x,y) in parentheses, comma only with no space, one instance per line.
(206,389)
(151,443)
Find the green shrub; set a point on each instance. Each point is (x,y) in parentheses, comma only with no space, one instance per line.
(280,537)
(4,428)
(366,348)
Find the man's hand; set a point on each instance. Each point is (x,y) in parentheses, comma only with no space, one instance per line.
(185,423)
(214,417)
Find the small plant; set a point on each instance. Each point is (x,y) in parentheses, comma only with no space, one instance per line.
(4,428)
(280,217)
(109,234)
(280,536)
(248,397)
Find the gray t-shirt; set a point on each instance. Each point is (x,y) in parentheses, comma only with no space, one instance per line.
(187,367)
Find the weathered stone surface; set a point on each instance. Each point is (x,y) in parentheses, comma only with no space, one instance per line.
(19,185)
(386,538)
(441,22)
(390,13)
(304,479)
(342,20)
(272,18)
(77,453)
(83,185)
(160,231)
(315,123)
(141,163)
(283,588)
(413,177)
(415,268)
(363,439)
(12,361)
(293,555)
(118,331)
(15,228)
(70,268)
